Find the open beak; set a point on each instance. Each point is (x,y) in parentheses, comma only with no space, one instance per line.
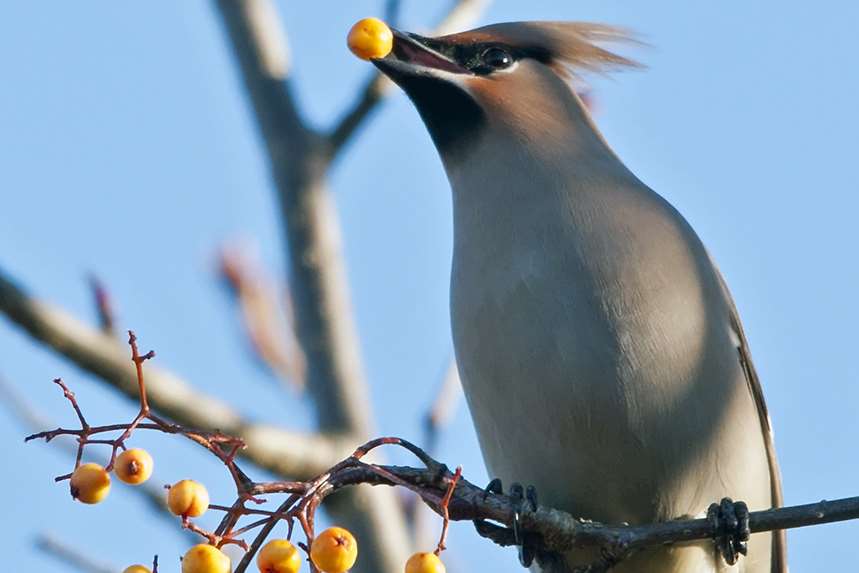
(413,56)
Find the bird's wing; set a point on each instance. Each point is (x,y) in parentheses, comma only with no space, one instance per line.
(779,548)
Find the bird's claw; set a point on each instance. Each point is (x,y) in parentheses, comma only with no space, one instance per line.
(493,487)
(730,522)
(520,496)
(523,499)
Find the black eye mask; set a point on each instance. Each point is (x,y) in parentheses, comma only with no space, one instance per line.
(482,58)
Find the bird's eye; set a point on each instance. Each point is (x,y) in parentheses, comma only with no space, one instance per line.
(496,58)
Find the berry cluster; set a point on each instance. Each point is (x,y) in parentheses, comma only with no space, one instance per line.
(335,550)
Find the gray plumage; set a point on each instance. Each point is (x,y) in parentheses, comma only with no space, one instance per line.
(600,351)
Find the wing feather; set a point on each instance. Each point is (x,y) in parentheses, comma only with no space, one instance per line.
(779,548)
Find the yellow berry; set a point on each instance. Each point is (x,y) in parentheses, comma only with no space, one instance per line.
(188,498)
(370,38)
(136,569)
(424,563)
(90,483)
(279,556)
(334,550)
(205,559)
(134,466)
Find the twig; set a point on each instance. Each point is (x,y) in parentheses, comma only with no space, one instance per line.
(445,511)
(271,336)
(103,304)
(460,15)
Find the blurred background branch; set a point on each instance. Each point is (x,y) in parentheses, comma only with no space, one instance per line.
(70,556)
(284,452)
(329,359)
(300,159)
(266,317)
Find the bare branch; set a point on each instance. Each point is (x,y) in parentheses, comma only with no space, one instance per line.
(283,452)
(65,552)
(375,88)
(461,14)
(560,532)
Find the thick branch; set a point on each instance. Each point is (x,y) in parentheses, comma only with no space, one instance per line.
(299,162)
(324,325)
(286,453)
(461,15)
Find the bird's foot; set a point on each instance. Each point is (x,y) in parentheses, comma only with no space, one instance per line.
(730,522)
(524,499)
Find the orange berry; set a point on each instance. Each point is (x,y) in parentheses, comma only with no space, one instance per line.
(205,559)
(90,483)
(188,498)
(370,38)
(134,466)
(136,569)
(424,563)
(279,556)
(334,550)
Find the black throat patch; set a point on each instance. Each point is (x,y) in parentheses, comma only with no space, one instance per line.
(452,117)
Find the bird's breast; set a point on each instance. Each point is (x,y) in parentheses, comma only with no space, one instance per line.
(579,337)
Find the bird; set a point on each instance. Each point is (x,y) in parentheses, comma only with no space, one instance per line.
(601,353)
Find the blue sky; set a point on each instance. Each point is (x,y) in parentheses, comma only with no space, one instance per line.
(127,148)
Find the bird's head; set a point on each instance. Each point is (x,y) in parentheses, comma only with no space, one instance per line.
(514,74)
